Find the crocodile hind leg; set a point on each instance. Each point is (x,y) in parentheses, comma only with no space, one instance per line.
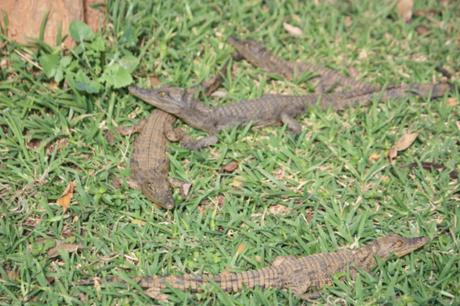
(291,123)
(200,143)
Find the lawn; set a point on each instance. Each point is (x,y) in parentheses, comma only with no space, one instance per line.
(330,187)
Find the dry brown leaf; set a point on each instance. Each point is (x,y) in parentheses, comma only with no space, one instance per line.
(363,54)
(280,173)
(309,214)
(4,63)
(279,210)
(66,197)
(185,189)
(138,222)
(67,247)
(109,137)
(402,144)
(294,31)
(220,200)
(154,81)
(12,275)
(347,21)
(452,102)
(33,144)
(405,9)
(374,157)
(422,30)
(58,145)
(220,93)
(237,182)
(240,249)
(230,167)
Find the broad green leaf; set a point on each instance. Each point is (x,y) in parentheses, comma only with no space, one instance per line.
(80,31)
(50,64)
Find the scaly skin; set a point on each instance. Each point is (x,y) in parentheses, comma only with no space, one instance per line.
(258,55)
(150,163)
(266,109)
(298,274)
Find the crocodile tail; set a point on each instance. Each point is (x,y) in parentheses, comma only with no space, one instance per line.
(189,282)
(395,92)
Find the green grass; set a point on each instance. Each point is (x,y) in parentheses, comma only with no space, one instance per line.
(325,171)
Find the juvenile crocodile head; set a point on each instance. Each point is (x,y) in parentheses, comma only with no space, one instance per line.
(257,54)
(170,99)
(158,191)
(397,245)
(176,101)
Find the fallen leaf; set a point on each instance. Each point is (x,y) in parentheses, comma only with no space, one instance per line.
(405,9)
(240,249)
(294,31)
(237,182)
(66,197)
(154,81)
(221,93)
(347,21)
(33,144)
(363,54)
(402,144)
(57,146)
(32,222)
(422,30)
(458,125)
(109,137)
(53,85)
(138,222)
(431,12)
(116,182)
(452,101)
(203,205)
(309,214)
(430,166)
(12,275)
(66,247)
(230,167)
(374,157)
(279,210)
(280,174)
(4,63)
(185,189)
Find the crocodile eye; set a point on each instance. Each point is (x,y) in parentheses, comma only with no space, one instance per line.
(162,94)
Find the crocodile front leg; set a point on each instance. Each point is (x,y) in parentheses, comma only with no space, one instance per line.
(200,143)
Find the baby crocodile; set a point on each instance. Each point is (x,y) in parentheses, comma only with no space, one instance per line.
(298,274)
(258,55)
(267,109)
(150,163)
